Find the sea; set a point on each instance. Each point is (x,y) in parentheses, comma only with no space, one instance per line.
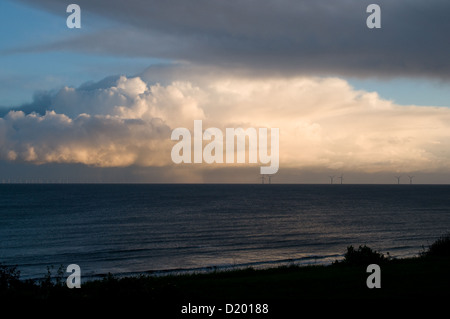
(158,229)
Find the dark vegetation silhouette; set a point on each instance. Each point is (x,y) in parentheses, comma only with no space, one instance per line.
(440,248)
(362,256)
(435,260)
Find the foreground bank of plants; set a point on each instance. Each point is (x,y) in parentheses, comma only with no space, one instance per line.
(53,286)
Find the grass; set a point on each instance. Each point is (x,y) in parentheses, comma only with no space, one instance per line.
(425,276)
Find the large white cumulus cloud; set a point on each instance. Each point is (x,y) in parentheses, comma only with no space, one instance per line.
(94,140)
(324,123)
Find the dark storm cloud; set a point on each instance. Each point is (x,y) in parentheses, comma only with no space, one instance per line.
(316,37)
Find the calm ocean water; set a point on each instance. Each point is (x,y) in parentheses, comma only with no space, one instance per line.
(129,229)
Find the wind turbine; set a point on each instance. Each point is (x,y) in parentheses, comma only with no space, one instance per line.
(398,179)
(262,179)
(410,179)
(341,178)
(270,179)
(331,179)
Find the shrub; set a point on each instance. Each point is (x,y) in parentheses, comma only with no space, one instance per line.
(9,276)
(363,256)
(50,280)
(440,248)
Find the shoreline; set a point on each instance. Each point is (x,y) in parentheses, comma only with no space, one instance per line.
(423,277)
(258,265)
(311,260)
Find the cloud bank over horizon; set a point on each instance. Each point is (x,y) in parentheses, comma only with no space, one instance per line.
(310,68)
(273,37)
(325,124)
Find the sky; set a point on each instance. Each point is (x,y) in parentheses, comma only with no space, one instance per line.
(99,103)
